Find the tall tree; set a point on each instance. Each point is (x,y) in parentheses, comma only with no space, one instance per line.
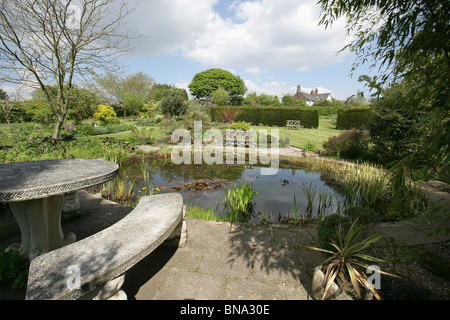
(409,41)
(129,91)
(206,82)
(59,43)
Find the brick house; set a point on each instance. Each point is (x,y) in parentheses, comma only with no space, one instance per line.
(313,96)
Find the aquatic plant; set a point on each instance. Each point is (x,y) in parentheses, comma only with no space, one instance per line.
(368,185)
(123,192)
(239,201)
(310,193)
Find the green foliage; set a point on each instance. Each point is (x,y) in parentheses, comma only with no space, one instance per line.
(110,128)
(366,216)
(149,109)
(347,261)
(86,130)
(240,125)
(32,142)
(37,110)
(350,144)
(174,103)
(272,116)
(288,101)
(197,112)
(398,35)
(83,104)
(408,42)
(158,92)
(206,82)
(238,201)
(392,130)
(353,118)
(105,114)
(13,270)
(263,99)
(309,146)
(168,125)
(329,227)
(220,97)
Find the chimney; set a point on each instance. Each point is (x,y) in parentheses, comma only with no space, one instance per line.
(312,91)
(299,88)
(316,92)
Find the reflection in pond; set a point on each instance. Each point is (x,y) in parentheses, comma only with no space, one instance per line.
(291,193)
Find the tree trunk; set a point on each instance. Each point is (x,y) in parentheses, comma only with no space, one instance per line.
(58,127)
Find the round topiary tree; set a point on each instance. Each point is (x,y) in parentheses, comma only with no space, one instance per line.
(206,82)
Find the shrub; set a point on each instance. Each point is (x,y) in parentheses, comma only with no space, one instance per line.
(13,270)
(197,112)
(347,263)
(85,130)
(174,104)
(272,116)
(391,134)
(309,146)
(354,118)
(350,144)
(328,229)
(168,125)
(366,216)
(143,135)
(288,100)
(105,114)
(220,97)
(240,125)
(226,114)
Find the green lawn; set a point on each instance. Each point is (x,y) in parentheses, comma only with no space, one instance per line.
(299,138)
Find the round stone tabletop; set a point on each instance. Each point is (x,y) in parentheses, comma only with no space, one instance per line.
(21,181)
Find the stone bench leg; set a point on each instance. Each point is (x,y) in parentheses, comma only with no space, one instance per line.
(109,291)
(71,206)
(178,237)
(40,226)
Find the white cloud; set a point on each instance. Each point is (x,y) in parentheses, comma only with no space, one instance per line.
(254,35)
(279,88)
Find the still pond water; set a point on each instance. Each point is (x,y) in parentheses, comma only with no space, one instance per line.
(292,192)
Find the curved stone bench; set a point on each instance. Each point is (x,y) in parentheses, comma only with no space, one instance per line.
(94,267)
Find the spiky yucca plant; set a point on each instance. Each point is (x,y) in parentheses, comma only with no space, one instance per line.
(347,260)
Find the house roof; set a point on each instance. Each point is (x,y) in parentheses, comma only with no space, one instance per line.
(313,98)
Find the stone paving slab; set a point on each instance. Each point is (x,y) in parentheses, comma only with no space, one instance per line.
(220,260)
(223,261)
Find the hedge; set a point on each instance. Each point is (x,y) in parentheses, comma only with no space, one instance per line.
(273,116)
(353,118)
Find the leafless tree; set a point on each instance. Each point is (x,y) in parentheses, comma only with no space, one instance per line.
(59,43)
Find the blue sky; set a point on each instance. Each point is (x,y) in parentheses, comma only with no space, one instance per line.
(274,45)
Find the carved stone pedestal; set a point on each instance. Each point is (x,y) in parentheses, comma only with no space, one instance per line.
(40,226)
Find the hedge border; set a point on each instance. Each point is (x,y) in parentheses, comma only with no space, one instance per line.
(353,118)
(273,116)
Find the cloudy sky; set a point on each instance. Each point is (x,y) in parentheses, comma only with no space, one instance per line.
(274,45)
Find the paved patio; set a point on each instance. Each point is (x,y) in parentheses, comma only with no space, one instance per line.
(221,261)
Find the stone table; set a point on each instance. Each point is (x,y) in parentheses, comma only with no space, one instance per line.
(35,192)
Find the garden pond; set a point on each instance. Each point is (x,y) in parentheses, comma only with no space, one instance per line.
(292,193)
